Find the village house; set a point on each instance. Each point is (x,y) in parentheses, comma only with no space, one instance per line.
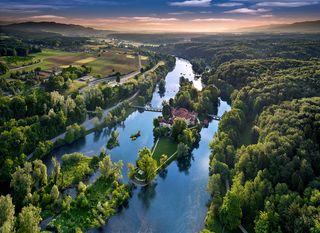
(190,117)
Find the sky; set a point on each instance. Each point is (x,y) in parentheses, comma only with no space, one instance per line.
(162,15)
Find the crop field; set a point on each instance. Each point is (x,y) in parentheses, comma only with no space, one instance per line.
(106,63)
(114,61)
(144,61)
(103,64)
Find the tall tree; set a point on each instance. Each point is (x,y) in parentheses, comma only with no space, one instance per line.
(7,217)
(29,219)
(179,124)
(22,183)
(147,164)
(231,213)
(56,170)
(106,166)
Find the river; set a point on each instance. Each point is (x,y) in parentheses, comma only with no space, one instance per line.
(176,201)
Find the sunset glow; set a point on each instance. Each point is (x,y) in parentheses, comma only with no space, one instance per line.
(159,15)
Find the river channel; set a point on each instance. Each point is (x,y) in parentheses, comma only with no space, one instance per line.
(176,201)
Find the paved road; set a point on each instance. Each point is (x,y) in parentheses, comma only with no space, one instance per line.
(112,80)
(88,124)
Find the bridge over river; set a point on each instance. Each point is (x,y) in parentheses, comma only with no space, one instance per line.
(148,108)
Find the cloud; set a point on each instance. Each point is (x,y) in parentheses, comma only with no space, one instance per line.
(140,19)
(50,17)
(213,20)
(205,12)
(153,19)
(266,16)
(247,11)
(181,13)
(15,6)
(192,3)
(229,4)
(287,4)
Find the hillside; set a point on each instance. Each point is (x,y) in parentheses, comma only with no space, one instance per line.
(53,27)
(302,27)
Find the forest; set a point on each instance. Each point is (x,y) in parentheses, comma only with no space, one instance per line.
(30,125)
(264,165)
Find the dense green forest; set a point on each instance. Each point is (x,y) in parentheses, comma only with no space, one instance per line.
(264,171)
(29,123)
(215,50)
(267,147)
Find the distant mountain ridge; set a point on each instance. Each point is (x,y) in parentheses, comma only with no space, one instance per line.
(303,27)
(53,27)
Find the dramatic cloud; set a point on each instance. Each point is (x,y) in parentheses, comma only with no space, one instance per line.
(247,11)
(229,4)
(162,15)
(192,3)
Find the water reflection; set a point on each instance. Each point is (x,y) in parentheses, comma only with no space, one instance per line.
(176,201)
(147,194)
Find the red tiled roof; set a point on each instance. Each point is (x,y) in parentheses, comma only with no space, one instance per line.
(184,113)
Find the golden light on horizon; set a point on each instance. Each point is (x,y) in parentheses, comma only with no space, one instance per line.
(165,24)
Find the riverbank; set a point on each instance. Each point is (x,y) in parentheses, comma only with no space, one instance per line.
(96,123)
(179,190)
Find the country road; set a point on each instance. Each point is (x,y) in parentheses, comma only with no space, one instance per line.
(88,124)
(123,78)
(22,67)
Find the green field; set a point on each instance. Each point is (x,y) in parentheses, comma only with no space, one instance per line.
(113,61)
(165,146)
(104,63)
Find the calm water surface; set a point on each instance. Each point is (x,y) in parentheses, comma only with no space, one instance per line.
(176,202)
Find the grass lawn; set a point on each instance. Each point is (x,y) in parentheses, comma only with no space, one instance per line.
(75,168)
(165,146)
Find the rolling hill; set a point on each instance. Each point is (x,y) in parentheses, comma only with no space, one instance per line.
(298,27)
(53,27)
